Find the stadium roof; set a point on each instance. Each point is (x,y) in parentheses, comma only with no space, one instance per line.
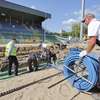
(12,9)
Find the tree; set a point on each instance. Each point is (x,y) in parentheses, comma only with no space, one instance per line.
(76,29)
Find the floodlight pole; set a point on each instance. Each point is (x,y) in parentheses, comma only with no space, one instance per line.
(82,15)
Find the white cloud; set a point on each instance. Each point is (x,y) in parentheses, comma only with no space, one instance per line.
(77,13)
(95,10)
(69,21)
(8,0)
(66,24)
(76,16)
(33,7)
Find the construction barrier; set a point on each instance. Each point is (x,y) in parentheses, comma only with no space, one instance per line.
(85,75)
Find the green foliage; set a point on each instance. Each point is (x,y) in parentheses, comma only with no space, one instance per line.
(75,31)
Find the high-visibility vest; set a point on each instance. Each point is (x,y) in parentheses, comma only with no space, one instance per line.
(13,50)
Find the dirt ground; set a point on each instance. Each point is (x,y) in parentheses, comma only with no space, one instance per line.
(35,87)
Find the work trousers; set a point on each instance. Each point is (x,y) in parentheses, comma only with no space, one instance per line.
(13,60)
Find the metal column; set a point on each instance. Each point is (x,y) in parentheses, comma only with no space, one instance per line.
(82,15)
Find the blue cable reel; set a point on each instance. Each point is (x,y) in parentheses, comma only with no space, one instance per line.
(85,75)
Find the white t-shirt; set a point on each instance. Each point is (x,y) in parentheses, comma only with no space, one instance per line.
(94,28)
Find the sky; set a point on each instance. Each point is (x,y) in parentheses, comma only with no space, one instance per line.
(63,12)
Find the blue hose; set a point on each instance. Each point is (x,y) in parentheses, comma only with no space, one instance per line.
(91,64)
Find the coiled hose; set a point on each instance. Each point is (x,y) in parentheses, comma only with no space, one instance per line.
(91,64)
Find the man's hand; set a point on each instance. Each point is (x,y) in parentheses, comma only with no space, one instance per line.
(83,53)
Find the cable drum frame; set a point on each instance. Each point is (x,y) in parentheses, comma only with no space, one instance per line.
(89,63)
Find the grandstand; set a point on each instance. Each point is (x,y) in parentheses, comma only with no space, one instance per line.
(22,22)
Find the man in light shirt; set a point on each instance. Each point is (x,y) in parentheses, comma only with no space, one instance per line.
(93,33)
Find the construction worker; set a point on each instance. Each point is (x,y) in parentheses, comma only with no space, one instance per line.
(10,53)
(33,61)
(93,33)
(53,55)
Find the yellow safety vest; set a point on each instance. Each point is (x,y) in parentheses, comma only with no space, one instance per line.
(13,50)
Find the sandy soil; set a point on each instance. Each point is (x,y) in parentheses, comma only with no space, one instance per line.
(38,90)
